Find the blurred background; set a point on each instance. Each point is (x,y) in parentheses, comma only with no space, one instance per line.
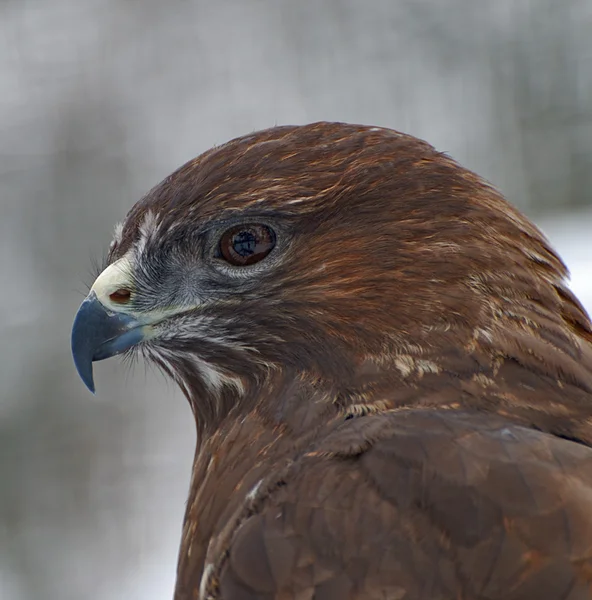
(100,99)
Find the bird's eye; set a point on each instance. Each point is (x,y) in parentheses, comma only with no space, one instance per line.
(246,244)
(120,296)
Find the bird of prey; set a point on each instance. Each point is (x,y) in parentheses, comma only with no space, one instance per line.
(390,378)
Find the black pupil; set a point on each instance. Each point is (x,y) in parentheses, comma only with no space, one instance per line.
(244,243)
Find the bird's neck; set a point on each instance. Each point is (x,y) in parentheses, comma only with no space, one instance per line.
(481,369)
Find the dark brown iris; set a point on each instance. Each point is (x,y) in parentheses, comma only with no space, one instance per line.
(246,244)
(120,296)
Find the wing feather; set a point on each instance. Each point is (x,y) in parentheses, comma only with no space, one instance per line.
(419,504)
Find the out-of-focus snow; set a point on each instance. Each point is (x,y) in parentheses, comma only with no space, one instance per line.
(156,581)
(571,236)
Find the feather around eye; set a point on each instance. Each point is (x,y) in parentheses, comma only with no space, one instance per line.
(246,244)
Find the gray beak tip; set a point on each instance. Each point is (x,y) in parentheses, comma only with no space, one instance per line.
(86,374)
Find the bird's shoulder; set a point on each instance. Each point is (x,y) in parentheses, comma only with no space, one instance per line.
(416,504)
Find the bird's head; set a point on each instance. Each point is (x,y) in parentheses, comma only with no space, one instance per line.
(318,249)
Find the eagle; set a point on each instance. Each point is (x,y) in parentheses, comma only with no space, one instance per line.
(390,377)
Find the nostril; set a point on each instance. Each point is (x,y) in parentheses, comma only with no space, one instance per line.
(120,296)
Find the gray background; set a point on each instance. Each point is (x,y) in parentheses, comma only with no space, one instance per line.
(101,99)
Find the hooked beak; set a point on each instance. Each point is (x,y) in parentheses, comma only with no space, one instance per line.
(99,333)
